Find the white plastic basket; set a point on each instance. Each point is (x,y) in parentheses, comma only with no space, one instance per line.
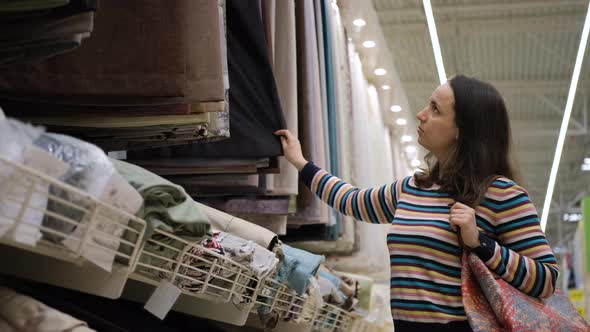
(331,318)
(196,270)
(90,229)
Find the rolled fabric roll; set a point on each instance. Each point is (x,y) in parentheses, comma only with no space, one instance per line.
(225,222)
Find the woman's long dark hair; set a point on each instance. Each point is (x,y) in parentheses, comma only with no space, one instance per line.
(483,148)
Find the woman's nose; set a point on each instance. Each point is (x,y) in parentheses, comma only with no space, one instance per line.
(421,116)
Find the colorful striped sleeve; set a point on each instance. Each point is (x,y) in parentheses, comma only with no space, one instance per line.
(374,205)
(524,258)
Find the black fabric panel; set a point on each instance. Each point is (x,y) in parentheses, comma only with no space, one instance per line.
(254,106)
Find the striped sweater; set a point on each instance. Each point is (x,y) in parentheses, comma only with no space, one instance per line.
(424,250)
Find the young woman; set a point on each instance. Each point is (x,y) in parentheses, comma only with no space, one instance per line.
(468,195)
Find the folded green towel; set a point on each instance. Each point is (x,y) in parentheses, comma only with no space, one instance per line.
(166,205)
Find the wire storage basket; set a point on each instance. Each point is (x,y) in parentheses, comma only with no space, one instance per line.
(54,233)
(46,216)
(331,318)
(278,297)
(198,271)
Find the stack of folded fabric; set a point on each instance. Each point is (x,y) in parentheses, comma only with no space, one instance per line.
(37,29)
(151,74)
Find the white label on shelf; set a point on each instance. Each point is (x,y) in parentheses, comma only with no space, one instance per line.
(162,299)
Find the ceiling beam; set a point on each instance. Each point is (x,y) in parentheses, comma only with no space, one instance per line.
(549,23)
(483,8)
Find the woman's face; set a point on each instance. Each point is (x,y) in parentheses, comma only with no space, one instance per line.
(437,131)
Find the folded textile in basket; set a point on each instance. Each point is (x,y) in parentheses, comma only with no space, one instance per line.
(299,265)
(262,261)
(196,267)
(166,205)
(25,314)
(313,302)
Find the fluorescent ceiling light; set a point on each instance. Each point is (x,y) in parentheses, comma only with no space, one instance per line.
(369,44)
(380,71)
(566,118)
(359,22)
(415,163)
(411,149)
(442,76)
(385,87)
(407,138)
(396,108)
(401,122)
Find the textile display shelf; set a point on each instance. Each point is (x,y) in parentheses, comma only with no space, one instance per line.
(213,286)
(55,233)
(331,318)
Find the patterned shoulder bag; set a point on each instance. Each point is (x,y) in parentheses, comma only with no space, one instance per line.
(493,305)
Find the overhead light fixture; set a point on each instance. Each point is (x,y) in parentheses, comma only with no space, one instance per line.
(442,76)
(565,122)
(411,149)
(369,44)
(395,108)
(407,138)
(385,87)
(359,22)
(380,71)
(401,122)
(415,163)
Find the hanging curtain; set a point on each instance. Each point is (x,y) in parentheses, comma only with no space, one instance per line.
(285,69)
(312,133)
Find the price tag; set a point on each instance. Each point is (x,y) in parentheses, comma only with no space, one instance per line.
(163,299)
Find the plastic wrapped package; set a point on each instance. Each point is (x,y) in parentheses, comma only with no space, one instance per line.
(19,191)
(90,170)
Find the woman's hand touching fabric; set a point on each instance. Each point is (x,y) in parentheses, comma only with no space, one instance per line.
(463,218)
(292,148)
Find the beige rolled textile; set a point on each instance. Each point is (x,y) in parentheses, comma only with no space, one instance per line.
(310,210)
(285,70)
(225,222)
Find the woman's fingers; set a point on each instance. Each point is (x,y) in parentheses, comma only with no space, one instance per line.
(285,133)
